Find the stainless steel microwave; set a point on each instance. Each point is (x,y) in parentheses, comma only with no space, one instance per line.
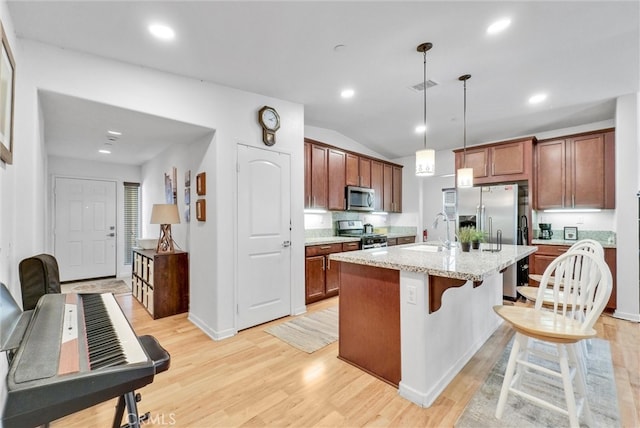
(360,198)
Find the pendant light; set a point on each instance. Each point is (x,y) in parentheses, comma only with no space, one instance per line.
(425,158)
(464,174)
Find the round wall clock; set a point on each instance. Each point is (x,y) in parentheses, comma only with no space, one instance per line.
(270,122)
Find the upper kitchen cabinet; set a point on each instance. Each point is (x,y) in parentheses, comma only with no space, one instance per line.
(392,188)
(377,184)
(336,179)
(316,188)
(507,161)
(576,171)
(358,170)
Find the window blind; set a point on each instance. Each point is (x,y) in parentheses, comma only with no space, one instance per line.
(131,219)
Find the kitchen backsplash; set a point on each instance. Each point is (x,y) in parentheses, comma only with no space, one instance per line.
(599,235)
(323,225)
(593,225)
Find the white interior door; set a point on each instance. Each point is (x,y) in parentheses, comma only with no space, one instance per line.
(85,228)
(264,254)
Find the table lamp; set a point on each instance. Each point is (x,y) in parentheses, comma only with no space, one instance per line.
(165,215)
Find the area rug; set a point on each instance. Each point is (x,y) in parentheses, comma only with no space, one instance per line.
(603,402)
(309,332)
(109,285)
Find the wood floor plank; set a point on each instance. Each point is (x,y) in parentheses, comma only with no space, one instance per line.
(255,380)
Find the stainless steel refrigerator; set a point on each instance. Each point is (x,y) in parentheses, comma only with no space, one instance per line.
(496,207)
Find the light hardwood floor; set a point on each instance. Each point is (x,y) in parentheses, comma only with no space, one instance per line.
(254,379)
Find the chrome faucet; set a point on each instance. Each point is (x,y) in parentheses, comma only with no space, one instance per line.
(447,242)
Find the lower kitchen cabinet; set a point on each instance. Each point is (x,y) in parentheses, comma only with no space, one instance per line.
(322,275)
(401,240)
(160,282)
(539,261)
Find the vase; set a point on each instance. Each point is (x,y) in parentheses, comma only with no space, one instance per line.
(466,246)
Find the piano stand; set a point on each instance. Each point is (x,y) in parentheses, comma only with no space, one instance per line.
(161,361)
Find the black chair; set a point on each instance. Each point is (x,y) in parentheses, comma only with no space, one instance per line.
(39,275)
(161,362)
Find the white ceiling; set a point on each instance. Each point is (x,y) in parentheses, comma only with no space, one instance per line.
(583,54)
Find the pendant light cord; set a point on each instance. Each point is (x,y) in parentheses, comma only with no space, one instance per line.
(424,98)
(464,156)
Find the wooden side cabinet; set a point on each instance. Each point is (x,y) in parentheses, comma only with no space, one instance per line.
(542,258)
(160,282)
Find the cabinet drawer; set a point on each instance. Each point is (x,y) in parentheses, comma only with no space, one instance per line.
(350,246)
(406,240)
(392,241)
(321,250)
(553,250)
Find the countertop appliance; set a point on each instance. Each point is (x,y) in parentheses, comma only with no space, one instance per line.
(545,231)
(360,198)
(355,229)
(499,203)
(368,228)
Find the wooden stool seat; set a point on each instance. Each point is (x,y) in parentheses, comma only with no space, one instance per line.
(544,325)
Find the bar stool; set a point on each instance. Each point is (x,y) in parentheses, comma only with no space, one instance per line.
(587,285)
(161,362)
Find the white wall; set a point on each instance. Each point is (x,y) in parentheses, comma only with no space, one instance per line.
(626,221)
(329,136)
(64,167)
(233,116)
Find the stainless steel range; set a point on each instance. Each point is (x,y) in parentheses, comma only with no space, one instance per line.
(355,229)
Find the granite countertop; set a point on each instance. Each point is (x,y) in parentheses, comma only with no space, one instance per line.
(329,240)
(474,265)
(566,242)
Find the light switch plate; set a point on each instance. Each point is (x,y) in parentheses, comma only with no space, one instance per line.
(411,294)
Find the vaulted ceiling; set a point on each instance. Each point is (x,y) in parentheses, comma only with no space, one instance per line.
(582,54)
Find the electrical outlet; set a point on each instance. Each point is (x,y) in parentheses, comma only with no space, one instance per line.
(411,294)
(580,220)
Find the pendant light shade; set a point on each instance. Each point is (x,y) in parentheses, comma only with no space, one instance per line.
(425,158)
(425,162)
(464,175)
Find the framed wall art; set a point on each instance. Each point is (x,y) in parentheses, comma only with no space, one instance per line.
(201,183)
(7,91)
(201,210)
(571,233)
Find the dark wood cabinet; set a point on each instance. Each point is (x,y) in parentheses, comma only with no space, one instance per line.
(336,179)
(316,178)
(506,161)
(542,258)
(575,171)
(160,282)
(392,188)
(322,275)
(401,240)
(328,170)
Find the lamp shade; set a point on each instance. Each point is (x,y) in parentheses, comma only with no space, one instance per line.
(165,214)
(465,177)
(425,162)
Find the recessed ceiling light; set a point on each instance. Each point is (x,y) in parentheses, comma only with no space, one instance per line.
(537,98)
(498,26)
(347,93)
(162,31)
(117,133)
(421,129)
(104,151)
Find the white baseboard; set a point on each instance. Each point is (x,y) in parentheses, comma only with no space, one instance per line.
(626,316)
(215,335)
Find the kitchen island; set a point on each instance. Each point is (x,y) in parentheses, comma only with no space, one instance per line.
(414,315)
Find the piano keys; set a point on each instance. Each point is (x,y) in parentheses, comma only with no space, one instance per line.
(77,351)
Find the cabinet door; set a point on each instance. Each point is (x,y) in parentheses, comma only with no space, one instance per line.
(336,179)
(478,159)
(397,189)
(387,188)
(314,278)
(332,277)
(550,175)
(508,159)
(307,175)
(406,240)
(586,172)
(353,170)
(610,258)
(365,172)
(392,241)
(377,184)
(319,182)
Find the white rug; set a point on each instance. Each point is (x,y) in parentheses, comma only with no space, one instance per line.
(601,387)
(109,285)
(309,332)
